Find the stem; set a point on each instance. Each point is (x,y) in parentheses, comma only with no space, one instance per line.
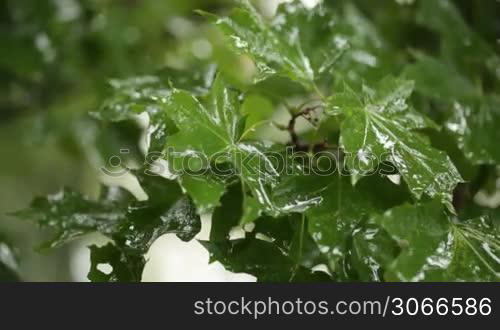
(251,128)
(295,141)
(301,239)
(244,198)
(301,246)
(318,92)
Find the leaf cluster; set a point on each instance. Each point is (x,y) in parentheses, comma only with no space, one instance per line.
(410,126)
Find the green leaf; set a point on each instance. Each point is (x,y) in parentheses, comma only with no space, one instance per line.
(474,116)
(70,214)
(228,215)
(476,129)
(378,213)
(124,267)
(342,215)
(437,248)
(371,250)
(133,225)
(379,128)
(210,134)
(290,234)
(298,42)
(287,234)
(251,210)
(133,96)
(206,132)
(205,191)
(262,259)
(257,111)
(148,94)
(206,129)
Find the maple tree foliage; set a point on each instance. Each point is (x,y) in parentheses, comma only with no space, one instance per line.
(409,129)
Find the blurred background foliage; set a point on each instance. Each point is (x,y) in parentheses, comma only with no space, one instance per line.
(55,60)
(57,56)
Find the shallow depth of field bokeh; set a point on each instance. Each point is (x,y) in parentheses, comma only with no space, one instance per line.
(56,57)
(55,60)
